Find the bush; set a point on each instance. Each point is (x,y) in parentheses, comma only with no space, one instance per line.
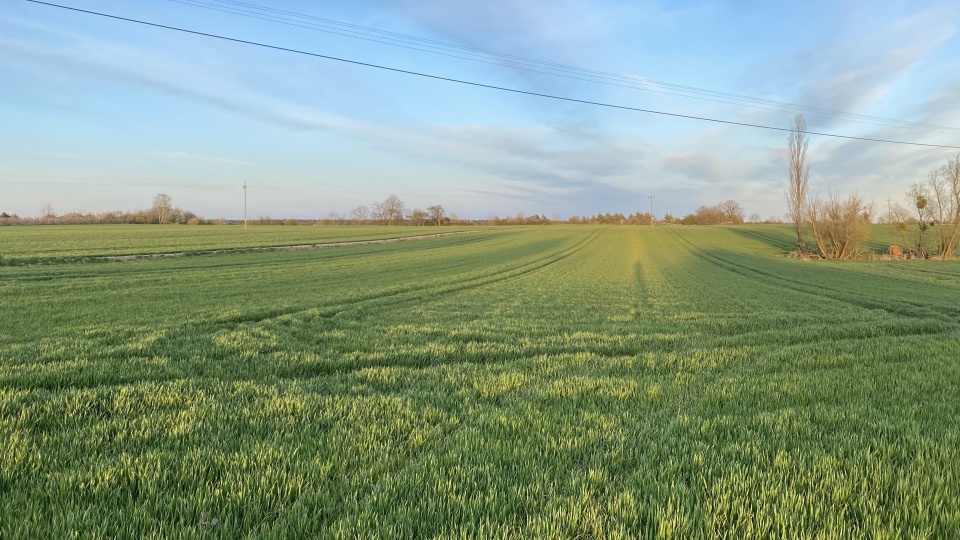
(838,227)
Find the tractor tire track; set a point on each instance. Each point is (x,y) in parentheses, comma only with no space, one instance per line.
(911,309)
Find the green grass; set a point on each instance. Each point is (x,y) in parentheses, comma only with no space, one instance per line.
(568,382)
(58,244)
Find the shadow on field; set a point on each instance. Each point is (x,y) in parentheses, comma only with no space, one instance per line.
(777,236)
(783,237)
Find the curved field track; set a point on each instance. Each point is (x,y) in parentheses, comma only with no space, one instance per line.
(558,382)
(294,247)
(21,246)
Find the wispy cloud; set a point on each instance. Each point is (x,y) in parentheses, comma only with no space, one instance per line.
(857,72)
(697,166)
(513,24)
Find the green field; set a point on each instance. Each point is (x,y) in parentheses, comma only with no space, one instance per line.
(59,244)
(559,382)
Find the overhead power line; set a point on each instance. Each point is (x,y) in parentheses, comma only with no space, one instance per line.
(291,18)
(489,86)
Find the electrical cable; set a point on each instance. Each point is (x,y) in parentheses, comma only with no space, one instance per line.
(518,62)
(489,86)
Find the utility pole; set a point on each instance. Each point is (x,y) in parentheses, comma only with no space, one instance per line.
(651,209)
(244,205)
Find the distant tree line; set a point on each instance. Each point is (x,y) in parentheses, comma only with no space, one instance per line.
(390,211)
(636,218)
(161,212)
(520,219)
(726,213)
(393,211)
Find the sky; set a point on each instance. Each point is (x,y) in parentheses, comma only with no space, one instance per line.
(100,114)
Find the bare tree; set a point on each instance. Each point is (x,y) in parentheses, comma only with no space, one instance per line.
(731,211)
(706,215)
(838,226)
(437,213)
(906,227)
(727,212)
(47,211)
(920,207)
(943,187)
(360,214)
(377,213)
(418,217)
(333,218)
(799,172)
(162,207)
(176,215)
(389,210)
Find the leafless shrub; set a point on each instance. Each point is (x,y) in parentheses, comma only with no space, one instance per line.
(838,226)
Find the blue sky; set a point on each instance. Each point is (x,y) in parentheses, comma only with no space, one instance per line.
(100,115)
